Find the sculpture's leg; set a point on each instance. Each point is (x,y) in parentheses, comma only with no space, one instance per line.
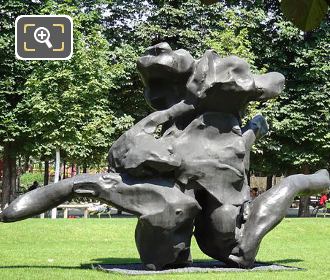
(267,211)
(215,227)
(165,214)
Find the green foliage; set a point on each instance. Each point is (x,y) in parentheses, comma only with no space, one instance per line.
(301,121)
(68,100)
(27,179)
(305,14)
(231,37)
(256,31)
(66,104)
(84,104)
(183,24)
(13,72)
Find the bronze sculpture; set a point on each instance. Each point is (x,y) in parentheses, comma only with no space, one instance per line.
(184,166)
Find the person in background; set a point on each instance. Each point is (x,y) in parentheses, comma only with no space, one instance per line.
(321,204)
(323,200)
(254,192)
(34,186)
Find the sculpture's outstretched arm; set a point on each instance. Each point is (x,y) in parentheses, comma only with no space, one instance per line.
(251,132)
(254,130)
(140,153)
(139,197)
(166,215)
(149,124)
(268,209)
(38,201)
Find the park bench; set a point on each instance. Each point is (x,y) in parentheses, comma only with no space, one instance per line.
(88,209)
(325,211)
(66,208)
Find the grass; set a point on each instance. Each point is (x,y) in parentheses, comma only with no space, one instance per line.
(64,249)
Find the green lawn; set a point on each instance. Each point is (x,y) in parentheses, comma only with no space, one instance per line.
(64,249)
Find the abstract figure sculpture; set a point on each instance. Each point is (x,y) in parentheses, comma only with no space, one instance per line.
(184,166)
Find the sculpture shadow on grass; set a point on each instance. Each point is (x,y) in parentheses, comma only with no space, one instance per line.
(287,261)
(83,266)
(78,267)
(115,261)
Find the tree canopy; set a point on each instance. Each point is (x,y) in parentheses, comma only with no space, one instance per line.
(305,14)
(82,105)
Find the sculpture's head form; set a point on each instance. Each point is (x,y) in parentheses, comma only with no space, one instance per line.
(165,74)
(211,83)
(227,84)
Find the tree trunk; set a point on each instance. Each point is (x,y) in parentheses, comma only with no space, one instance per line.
(46,173)
(269,183)
(46,180)
(19,174)
(57,165)
(274,181)
(248,175)
(304,206)
(64,169)
(304,200)
(85,168)
(9,175)
(73,170)
(57,177)
(31,166)
(26,164)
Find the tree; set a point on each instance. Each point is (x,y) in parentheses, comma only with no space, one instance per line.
(305,14)
(68,101)
(299,134)
(299,119)
(132,26)
(83,104)
(12,78)
(47,105)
